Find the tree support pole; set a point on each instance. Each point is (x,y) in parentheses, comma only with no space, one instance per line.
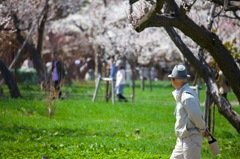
(110,80)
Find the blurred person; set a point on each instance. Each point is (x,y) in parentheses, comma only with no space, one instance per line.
(113,68)
(189,126)
(27,63)
(120,81)
(58,73)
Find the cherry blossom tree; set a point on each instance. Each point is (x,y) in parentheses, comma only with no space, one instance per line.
(113,34)
(27,19)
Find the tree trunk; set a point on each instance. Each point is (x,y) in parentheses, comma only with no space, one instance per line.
(142,79)
(206,40)
(150,78)
(36,56)
(42,27)
(8,78)
(133,82)
(97,54)
(200,35)
(205,72)
(211,43)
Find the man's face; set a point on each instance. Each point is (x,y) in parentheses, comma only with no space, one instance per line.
(178,83)
(173,82)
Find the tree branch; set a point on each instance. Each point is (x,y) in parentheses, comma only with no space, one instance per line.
(203,38)
(42,26)
(205,72)
(227,7)
(31,48)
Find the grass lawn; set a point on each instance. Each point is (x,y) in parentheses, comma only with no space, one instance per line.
(143,129)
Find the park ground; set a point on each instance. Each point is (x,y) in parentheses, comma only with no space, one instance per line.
(80,128)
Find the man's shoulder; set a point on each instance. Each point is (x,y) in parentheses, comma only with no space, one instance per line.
(189,95)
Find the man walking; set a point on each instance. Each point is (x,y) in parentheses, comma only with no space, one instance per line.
(189,126)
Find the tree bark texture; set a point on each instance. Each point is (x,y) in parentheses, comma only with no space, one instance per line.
(132,62)
(133,82)
(200,35)
(36,57)
(41,27)
(206,40)
(8,78)
(205,72)
(34,51)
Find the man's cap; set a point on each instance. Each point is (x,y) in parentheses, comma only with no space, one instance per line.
(180,72)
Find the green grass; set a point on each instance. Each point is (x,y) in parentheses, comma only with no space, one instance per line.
(83,129)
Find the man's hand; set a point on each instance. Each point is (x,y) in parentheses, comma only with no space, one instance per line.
(206,133)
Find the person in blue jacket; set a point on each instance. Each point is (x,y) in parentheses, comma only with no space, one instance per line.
(113,69)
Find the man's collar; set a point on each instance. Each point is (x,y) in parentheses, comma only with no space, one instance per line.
(179,91)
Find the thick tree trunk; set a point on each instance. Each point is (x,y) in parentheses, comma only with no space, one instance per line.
(35,52)
(42,27)
(132,62)
(36,57)
(8,78)
(206,40)
(200,35)
(205,72)
(221,55)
